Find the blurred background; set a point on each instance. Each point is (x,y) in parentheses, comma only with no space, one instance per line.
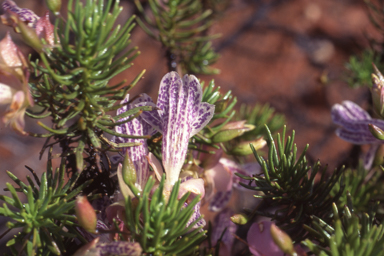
(288,53)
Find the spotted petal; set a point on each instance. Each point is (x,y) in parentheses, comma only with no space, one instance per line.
(137,127)
(182,115)
(26,15)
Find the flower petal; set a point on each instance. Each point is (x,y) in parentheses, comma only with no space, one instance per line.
(45,29)
(136,127)
(6,94)
(260,240)
(156,165)
(370,156)
(220,200)
(24,14)
(222,221)
(195,186)
(182,115)
(359,138)
(11,56)
(195,216)
(353,118)
(15,116)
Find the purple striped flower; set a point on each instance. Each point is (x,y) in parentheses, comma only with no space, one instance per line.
(181,115)
(41,25)
(24,14)
(136,127)
(353,122)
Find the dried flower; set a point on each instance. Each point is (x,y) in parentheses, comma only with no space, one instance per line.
(14,88)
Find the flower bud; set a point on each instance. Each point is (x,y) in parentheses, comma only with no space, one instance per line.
(282,240)
(81,124)
(129,170)
(243,148)
(30,37)
(239,219)
(376,132)
(379,156)
(54,6)
(377,91)
(86,215)
(231,131)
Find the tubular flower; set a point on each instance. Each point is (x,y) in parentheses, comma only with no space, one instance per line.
(181,115)
(14,84)
(136,127)
(354,122)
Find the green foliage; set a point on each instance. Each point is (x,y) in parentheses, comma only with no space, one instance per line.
(360,69)
(45,218)
(348,235)
(161,223)
(181,26)
(73,84)
(289,183)
(259,116)
(224,104)
(363,186)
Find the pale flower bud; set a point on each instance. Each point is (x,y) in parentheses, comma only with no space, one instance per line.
(231,131)
(282,240)
(377,91)
(54,6)
(86,215)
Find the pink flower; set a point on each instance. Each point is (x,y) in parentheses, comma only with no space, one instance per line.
(221,181)
(260,240)
(14,88)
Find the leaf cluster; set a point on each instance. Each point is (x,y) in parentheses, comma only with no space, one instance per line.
(347,235)
(45,218)
(361,187)
(181,26)
(72,86)
(288,182)
(359,68)
(259,116)
(161,224)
